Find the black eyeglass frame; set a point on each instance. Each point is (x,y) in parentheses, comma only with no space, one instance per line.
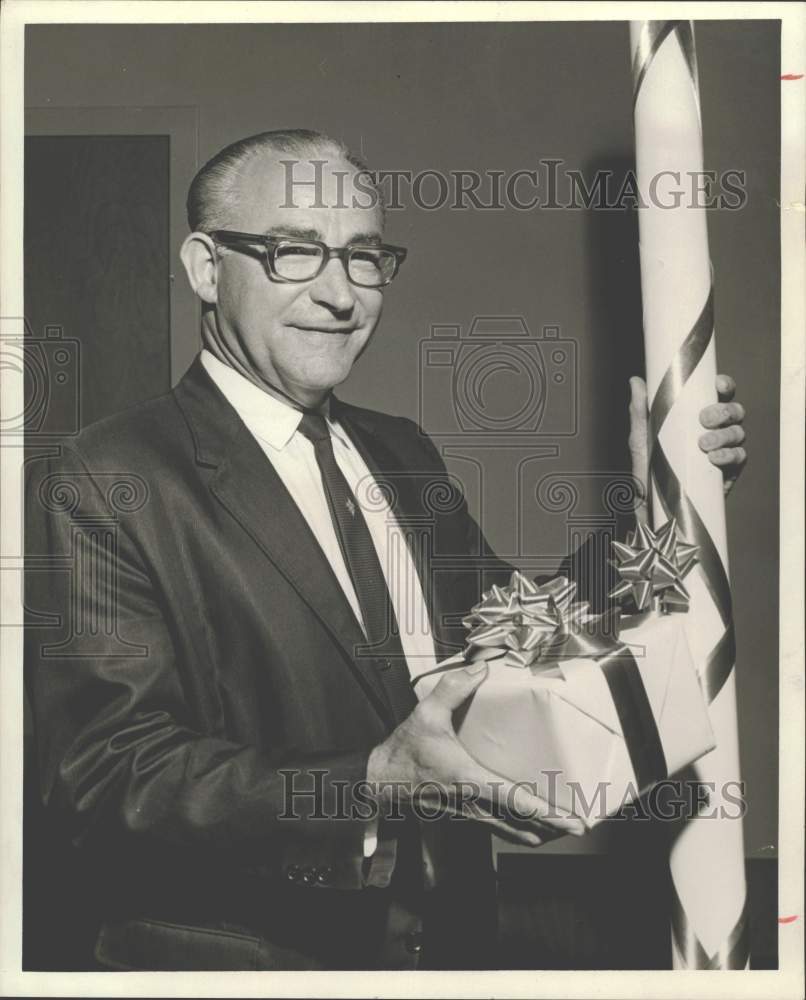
(271,244)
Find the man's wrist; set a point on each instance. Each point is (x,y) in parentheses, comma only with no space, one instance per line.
(376,766)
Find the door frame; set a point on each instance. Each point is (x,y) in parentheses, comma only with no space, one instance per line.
(181,125)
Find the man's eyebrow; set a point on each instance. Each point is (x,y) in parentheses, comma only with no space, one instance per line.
(301,233)
(365,238)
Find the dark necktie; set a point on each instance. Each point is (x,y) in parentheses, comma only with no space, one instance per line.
(361,559)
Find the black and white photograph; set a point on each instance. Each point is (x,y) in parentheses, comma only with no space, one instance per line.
(402,499)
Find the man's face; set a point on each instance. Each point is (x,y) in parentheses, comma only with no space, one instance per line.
(307,336)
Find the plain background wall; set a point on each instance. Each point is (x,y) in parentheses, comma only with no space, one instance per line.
(501,97)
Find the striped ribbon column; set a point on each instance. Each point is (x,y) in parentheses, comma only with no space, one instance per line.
(709,925)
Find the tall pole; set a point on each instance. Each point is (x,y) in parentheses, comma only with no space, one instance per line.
(709,918)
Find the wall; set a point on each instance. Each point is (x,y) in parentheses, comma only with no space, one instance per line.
(501,97)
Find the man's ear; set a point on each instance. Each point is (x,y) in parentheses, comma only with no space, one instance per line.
(199,257)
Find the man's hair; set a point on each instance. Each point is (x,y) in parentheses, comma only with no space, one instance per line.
(213,192)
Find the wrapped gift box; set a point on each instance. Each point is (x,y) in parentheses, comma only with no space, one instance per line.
(585,719)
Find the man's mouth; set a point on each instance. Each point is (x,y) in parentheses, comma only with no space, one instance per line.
(325,329)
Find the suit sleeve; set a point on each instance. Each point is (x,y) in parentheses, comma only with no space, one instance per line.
(119,753)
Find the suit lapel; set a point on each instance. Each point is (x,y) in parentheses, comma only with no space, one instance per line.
(248,486)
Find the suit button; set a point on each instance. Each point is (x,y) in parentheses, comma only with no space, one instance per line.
(324,876)
(308,876)
(384,664)
(293,873)
(414,942)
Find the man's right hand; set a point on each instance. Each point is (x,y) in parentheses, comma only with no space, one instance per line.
(424,749)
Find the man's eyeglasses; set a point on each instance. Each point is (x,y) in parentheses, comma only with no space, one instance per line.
(368,265)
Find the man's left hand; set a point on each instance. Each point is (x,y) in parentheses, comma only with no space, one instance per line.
(723,441)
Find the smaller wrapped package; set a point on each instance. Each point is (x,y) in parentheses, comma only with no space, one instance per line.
(593,709)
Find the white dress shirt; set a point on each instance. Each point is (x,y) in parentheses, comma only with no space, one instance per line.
(274,425)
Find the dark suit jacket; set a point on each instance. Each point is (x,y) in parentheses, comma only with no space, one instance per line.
(187,643)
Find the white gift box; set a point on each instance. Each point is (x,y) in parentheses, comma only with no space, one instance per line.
(562,725)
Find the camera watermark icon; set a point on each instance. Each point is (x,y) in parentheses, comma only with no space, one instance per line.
(498,381)
(50,368)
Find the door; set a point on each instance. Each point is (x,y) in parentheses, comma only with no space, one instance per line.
(97,271)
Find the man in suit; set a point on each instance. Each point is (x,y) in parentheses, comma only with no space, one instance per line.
(223,712)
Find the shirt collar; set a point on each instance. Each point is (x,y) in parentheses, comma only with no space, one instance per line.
(271,419)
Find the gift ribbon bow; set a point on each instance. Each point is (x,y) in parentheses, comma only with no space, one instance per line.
(531,624)
(652,565)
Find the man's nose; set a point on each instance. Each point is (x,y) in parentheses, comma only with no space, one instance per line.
(332,288)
